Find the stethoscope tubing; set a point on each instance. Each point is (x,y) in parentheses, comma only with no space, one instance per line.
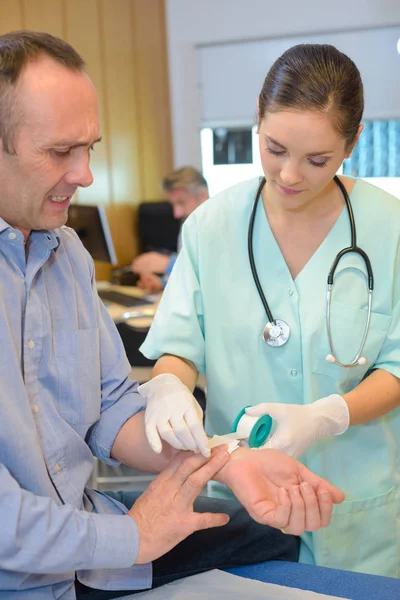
(353,248)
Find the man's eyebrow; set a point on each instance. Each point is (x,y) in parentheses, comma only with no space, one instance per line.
(270,139)
(74,143)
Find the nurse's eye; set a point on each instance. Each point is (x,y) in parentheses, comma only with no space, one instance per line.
(275,152)
(316,163)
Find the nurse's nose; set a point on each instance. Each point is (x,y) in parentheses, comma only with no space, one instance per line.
(290,174)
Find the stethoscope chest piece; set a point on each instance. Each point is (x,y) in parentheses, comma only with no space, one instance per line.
(276,333)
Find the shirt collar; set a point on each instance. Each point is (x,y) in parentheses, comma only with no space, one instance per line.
(49,238)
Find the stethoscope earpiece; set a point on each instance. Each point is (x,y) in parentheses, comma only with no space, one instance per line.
(360,361)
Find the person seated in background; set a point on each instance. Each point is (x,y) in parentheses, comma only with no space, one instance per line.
(186,189)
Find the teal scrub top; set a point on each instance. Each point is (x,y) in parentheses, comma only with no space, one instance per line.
(212,315)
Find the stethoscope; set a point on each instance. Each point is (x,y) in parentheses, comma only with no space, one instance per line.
(277,332)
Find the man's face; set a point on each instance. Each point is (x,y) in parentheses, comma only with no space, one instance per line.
(58,125)
(185,202)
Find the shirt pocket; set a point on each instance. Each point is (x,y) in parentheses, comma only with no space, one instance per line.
(347,329)
(77,356)
(368,530)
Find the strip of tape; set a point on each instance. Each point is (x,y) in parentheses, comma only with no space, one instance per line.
(230,438)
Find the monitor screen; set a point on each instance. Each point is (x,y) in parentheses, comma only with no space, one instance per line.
(91,225)
(157,227)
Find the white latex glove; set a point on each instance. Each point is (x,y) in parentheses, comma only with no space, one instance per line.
(173,414)
(299,426)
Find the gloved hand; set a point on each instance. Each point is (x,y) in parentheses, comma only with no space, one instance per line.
(299,426)
(173,414)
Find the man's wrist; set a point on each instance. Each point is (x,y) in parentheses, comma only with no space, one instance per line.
(227,473)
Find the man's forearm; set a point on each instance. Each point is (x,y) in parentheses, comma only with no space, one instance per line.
(132,448)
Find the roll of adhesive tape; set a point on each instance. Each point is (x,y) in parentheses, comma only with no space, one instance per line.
(254,429)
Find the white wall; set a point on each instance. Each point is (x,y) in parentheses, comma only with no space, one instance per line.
(191,23)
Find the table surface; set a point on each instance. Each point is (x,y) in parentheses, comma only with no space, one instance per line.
(345,584)
(144,314)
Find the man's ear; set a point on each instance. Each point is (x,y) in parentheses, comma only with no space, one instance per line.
(202,196)
(351,148)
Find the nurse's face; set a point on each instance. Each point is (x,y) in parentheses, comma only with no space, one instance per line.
(300,154)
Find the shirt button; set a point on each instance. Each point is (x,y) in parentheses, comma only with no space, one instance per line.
(57,468)
(291,292)
(31,344)
(293,372)
(12,236)
(35,408)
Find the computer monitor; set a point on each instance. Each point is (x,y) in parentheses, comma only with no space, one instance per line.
(157,227)
(91,225)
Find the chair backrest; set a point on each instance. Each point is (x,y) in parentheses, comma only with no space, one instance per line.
(157,227)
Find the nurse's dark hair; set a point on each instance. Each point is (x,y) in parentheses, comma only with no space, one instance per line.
(316,77)
(17,49)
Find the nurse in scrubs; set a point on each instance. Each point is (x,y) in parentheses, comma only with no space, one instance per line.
(211,318)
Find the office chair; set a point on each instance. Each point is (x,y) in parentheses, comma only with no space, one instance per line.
(157,228)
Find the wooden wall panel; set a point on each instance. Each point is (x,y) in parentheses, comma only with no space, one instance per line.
(122,101)
(11,15)
(152,85)
(82,27)
(44,15)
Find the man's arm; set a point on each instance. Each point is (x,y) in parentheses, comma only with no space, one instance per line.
(132,448)
(39,536)
(150,262)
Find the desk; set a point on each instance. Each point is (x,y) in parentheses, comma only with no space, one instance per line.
(133,330)
(356,586)
(144,313)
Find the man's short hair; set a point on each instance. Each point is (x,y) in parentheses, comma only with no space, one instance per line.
(17,49)
(186,178)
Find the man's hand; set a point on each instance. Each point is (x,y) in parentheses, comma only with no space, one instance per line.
(150,283)
(150,262)
(279,491)
(164,512)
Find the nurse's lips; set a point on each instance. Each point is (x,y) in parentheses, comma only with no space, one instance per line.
(289,191)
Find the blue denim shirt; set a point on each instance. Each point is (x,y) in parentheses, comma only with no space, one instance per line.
(64,395)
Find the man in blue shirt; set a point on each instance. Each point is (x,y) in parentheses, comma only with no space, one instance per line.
(65,391)
(186,189)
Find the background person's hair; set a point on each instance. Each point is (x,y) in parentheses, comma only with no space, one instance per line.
(186,178)
(17,49)
(316,77)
